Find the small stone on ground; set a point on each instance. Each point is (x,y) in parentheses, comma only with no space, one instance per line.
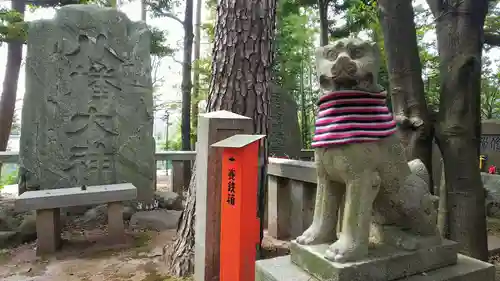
(158,220)
(169,200)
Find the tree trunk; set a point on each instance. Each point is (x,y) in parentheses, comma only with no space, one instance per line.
(459,30)
(303,112)
(442,214)
(181,257)
(186,86)
(144,10)
(241,76)
(196,72)
(405,78)
(11,78)
(323,22)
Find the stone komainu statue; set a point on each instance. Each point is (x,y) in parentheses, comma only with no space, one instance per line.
(359,155)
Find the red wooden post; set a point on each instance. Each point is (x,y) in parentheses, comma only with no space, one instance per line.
(239,222)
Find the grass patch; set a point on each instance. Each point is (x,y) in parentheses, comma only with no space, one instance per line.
(154,276)
(4,256)
(493,226)
(141,244)
(142,239)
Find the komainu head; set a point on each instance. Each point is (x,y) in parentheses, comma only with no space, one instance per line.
(348,64)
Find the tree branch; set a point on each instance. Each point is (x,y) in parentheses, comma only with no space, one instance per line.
(172,16)
(346,29)
(492,39)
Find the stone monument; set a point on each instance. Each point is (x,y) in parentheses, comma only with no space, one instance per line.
(284,136)
(388,229)
(87,116)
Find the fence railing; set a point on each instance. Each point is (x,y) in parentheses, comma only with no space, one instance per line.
(290,198)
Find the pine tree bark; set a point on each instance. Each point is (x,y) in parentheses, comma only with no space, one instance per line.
(10,81)
(459,29)
(405,78)
(241,76)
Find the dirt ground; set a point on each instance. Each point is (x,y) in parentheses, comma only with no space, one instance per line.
(90,257)
(494,229)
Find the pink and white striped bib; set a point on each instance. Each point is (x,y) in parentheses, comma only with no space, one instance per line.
(350,116)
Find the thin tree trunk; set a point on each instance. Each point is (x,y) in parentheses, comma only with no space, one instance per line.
(405,78)
(323,21)
(196,72)
(303,114)
(10,81)
(241,76)
(442,214)
(310,106)
(459,30)
(186,86)
(144,10)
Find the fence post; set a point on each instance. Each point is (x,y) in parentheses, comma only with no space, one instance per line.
(278,207)
(240,225)
(212,127)
(177,178)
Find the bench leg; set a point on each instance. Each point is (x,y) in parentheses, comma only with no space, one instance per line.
(116,227)
(48,231)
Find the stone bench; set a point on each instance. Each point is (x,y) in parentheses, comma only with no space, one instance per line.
(47,204)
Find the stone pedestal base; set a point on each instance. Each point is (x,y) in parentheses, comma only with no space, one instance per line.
(384,263)
(466,269)
(116,228)
(48,231)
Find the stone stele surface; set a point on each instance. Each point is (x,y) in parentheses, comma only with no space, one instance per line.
(383,263)
(87,116)
(67,197)
(466,269)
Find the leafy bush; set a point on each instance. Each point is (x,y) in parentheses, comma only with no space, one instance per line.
(7,179)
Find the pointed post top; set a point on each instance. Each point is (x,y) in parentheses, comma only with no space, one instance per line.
(223,114)
(238,141)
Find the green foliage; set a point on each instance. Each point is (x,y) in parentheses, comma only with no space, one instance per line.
(160,8)
(490,91)
(13,27)
(174,142)
(10,178)
(293,69)
(55,3)
(158,39)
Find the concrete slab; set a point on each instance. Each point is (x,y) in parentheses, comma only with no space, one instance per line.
(493,245)
(383,263)
(9,191)
(466,269)
(70,197)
